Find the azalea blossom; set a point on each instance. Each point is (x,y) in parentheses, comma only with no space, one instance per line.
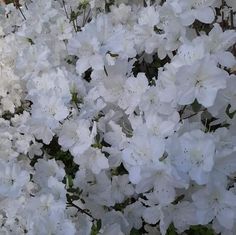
(117,117)
(200,81)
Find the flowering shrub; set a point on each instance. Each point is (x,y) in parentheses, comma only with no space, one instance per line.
(117,117)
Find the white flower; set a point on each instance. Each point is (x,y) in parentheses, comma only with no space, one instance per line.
(112,85)
(200,81)
(92,159)
(115,84)
(113,217)
(197,9)
(149,17)
(133,213)
(193,153)
(143,148)
(113,229)
(184,215)
(213,202)
(121,13)
(189,53)
(87,49)
(54,82)
(10,89)
(121,188)
(33,59)
(44,169)
(159,99)
(121,42)
(134,88)
(62,29)
(12,179)
(40,130)
(219,40)
(6,146)
(152,215)
(51,109)
(55,187)
(161,126)
(76,136)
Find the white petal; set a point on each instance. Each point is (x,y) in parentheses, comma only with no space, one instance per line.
(226,218)
(134,175)
(187,96)
(82,65)
(205,15)
(96,62)
(187,18)
(151,215)
(206,96)
(226,59)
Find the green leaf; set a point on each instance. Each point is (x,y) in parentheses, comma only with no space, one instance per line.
(30,41)
(171,230)
(96,227)
(69,181)
(230,114)
(94,230)
(135,232)
(200,230)
(99,224)
(178,199)
(75,98)
(196,106)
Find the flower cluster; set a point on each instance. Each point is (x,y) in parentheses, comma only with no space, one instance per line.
(117,117)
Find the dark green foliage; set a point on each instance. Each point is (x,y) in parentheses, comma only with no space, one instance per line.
(230,114)
(150,69)
(120,170)
(194,230)
(54,150)
(96,227)
(135,232)
(30,41)
(171,230)
(200,230)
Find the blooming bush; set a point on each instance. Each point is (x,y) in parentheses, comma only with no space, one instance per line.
(117,117)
